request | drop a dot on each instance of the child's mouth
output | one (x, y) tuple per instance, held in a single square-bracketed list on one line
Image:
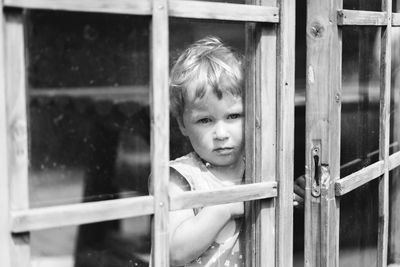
[(223, 150)]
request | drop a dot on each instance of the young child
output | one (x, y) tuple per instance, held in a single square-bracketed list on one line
[(206, 90)]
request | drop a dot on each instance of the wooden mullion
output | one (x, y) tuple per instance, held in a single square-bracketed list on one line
[(5, 252), (178, 8), (285, 132), (383, 222), (323, 113), (395, 19), (91, 212), (17, 121), (347, 17), (159, 97), (359, 178)]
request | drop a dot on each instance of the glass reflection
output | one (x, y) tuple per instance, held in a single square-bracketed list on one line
[(394, 217), (360, 99), (126, 243), (369, 5), (88, 106), (359, 226), (395, 93)]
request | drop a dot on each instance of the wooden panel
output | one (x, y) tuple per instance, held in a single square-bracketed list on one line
[(323, 109), (223, 11), (396, 19), (285, 132), (384, 120), (394, 159), (358, 17), (75, 214), (357, 179), (178, 8), (159, 97), (5, 255), (17, 121)]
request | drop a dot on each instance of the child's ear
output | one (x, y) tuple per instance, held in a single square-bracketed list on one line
[(181, 126)]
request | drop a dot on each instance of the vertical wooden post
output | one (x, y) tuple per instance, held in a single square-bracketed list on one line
[(17, 121), (323, 102), (159, 96), (383, 223), (260, 128), (5, 255), (285, 132)]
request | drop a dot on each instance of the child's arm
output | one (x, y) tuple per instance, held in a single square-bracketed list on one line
[(192, 235)]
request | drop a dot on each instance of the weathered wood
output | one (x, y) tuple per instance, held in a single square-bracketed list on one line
[(223, 11), (347, 17), (322, 130), (17, 123), (384, 120), (177, 8), (239, 193), (5, 252), (394, 159), (395, 19), (159, 98), (285, 132), (82, 213), (358, 178)]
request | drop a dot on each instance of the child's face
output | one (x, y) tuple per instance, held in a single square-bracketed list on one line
[(215, 127)]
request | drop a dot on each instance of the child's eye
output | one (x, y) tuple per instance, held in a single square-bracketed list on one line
[(204, 120), (234, 116)]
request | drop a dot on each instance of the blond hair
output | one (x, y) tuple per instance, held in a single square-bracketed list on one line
[(206, 65)]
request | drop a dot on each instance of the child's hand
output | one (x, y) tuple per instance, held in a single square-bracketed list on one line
[(299, 187)]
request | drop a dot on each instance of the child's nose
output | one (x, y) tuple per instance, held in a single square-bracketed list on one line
[(220, 131)]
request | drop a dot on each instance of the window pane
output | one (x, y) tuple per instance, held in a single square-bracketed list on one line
[(359, 226), (360, 98), (369, 5), (114, 243), (395, 93), (88, 79), (394, 217)]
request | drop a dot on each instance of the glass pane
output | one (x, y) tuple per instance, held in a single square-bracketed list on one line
[(88, 79), (395, 93), (360, 98), (359, 226), (394, 217), (114, 243), (369, 5)]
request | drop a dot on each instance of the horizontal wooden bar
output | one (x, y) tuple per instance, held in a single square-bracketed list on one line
[(223, 11), (177, 8), (347, 17), (195, 199), (74, 214), (394, 161), (91, 212), (396, 19), (358, 178)]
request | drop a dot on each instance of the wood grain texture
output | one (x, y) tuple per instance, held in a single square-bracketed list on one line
[(17, 124), (347, 17), (384, 129), (358, 178), (5, 252), (395, 19), (159, 97), (323, 113), (285, 132), (177, 8), (76, 214)]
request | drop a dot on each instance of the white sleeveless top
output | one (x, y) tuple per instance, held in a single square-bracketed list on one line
[(230, 251)]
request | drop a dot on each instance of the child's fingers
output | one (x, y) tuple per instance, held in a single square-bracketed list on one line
[(297, 200)]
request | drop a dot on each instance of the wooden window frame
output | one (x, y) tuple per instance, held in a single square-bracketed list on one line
[(271, 56), (324, 91)]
